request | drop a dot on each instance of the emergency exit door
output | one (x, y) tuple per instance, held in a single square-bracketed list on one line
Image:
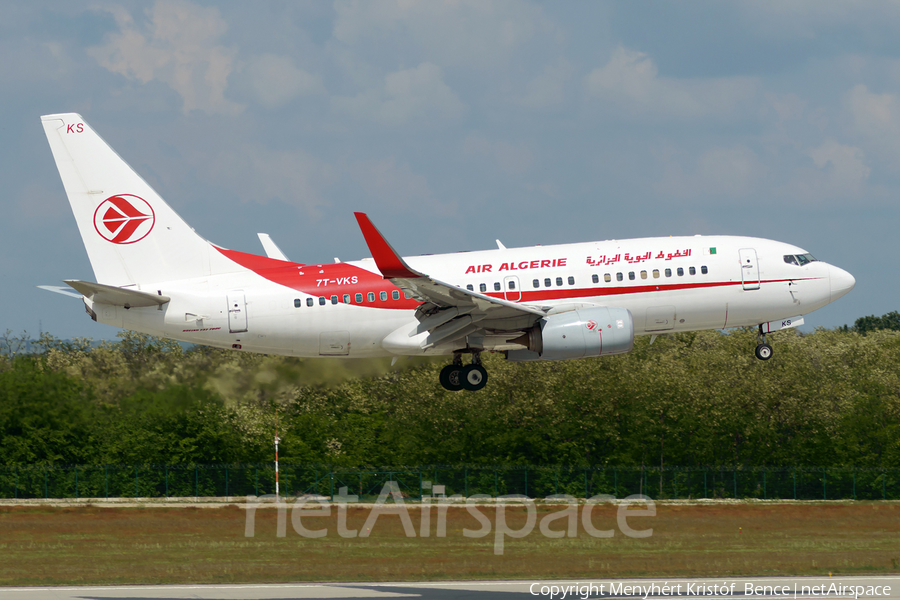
[(237, 311)]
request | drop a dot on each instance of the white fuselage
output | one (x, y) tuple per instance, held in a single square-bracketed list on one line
[(347, 309)]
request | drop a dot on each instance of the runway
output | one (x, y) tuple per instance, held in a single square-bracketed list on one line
[(762, 588)]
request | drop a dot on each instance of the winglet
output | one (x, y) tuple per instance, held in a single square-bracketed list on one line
[(272, 250), (389, 262)]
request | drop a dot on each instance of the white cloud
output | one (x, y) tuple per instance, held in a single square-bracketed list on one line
[(843, 172), (178, 46), (275, 80), (396, 186), (512, 159), (873, 114), (810, 19), (473, 33), (259, 174), (731, 172), (838, 173), (417, 94), (548, 87), (875, 121), (631, 81)]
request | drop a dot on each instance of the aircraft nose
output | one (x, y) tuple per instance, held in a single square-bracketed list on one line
[(841, 282)]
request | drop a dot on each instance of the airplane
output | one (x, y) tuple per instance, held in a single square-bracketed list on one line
[(155, 275)]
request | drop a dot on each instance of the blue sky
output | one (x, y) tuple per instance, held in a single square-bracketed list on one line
[(455, 123)]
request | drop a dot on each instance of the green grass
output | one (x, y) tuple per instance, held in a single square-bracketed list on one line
[(53, 546)]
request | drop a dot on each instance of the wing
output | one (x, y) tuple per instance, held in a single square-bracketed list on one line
[(447, 312)]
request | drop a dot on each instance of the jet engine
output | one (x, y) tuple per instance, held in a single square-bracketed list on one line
[(597, 331)]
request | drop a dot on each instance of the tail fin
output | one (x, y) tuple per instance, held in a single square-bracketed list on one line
[(131, 235)]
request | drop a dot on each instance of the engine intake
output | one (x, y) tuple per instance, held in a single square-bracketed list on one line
[(598, 331)]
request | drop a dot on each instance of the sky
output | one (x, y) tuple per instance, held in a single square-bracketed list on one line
[(457, 123)]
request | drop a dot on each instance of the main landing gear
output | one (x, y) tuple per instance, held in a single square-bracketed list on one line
[(763, 349), (456, 376)]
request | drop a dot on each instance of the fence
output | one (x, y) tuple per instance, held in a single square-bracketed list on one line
[(164, 481)]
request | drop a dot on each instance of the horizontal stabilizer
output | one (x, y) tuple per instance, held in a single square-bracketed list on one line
[(61, 289), (116, 296)]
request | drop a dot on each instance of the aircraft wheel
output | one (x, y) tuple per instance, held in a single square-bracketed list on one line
[(451, 378), (474, 377), (764, 352)]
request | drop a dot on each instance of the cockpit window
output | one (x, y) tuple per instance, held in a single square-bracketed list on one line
[(799, 259)]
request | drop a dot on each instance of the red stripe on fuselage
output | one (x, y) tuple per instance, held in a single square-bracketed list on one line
[(563, 294), (325, 280)]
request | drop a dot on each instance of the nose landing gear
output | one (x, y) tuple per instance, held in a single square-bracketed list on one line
[(456, 376), (763, 349)]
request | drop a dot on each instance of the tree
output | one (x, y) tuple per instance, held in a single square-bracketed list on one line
[(890, 321)]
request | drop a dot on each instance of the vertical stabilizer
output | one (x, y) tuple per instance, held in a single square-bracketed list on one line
[(131, 235)]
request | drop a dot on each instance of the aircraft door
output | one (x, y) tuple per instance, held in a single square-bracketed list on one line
[(334, 343), (660, 318), (749, 268), (511, 289), (237, 311), (794, 289)]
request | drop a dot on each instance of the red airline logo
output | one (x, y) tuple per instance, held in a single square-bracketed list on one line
[(124, 219)]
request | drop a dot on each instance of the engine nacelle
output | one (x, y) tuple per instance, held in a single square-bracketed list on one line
[(598, 331)]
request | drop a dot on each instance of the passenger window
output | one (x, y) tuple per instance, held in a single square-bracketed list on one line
[(571, 280), (497, 287), (346, 298), (704, 270), (536, 283), (547, 282), (309, 301), (619, 277), (643, 274), (559, 282), (668, 272), (607, 277), (595, 278), (680, 272), (482, 287), (470, 288), (655, 273), (383, 296), (395, 294), (359, 298), (692, 271), (321, 300), (298, 303), (334, 300), (630, 275), (511, 284), (371, 296)]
